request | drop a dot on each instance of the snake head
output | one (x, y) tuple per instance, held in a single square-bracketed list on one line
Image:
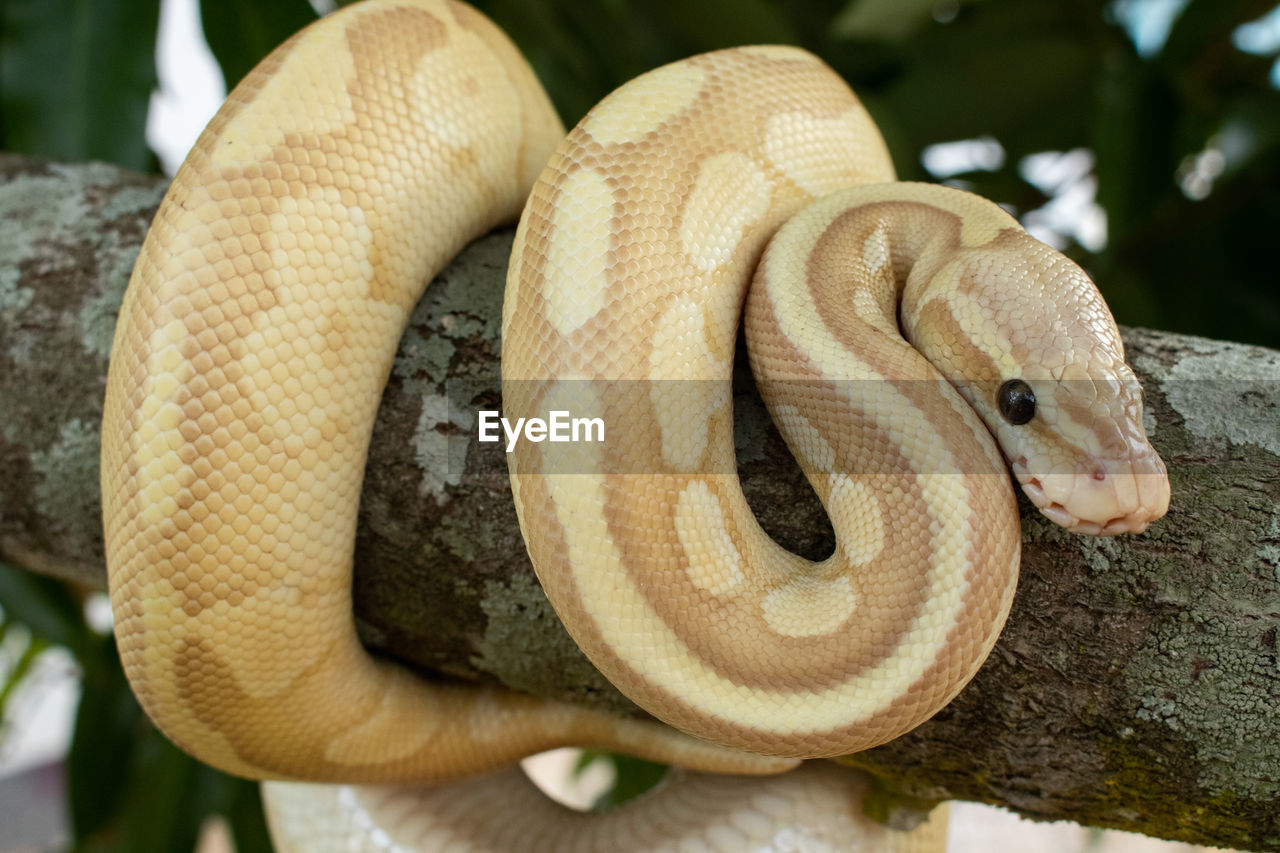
[(1082, 456), (1029, 342)]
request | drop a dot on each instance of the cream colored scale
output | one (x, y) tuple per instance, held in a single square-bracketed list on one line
[(262, 319)]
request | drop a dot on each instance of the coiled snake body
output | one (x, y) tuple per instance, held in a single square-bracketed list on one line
[(261, 322)]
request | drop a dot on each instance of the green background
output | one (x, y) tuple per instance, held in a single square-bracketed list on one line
[(1050, 75)]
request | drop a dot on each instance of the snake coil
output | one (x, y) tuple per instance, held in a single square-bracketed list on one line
[(260, 326)]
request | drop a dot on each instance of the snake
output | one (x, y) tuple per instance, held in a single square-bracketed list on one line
[(914, 345)]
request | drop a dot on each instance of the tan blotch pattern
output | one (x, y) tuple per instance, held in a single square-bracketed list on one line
[(260, 325), (651, 556), (253, 342), (658, 568)]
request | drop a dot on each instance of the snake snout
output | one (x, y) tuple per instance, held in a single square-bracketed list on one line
[(1100, 496)]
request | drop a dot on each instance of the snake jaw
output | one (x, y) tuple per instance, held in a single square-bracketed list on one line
[(1101, 497), (1085, 460)]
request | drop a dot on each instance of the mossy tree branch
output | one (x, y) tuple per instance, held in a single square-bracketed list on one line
[(1135, 686)]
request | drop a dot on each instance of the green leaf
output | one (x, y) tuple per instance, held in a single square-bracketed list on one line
[(19, 669), (108, 721), (160, 809), (76, 78), (45, 606), (244, 814), (131, 789), (1023, 73), (713, 24), (561, 49), (584, 50), (633, 776), (1206, 25), (241, 32), (1133, 134), (888, 20)]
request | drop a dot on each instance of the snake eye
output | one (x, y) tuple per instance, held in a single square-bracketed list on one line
[(1017, 402)]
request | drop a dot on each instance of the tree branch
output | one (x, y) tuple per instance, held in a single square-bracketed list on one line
[(1135, 686)]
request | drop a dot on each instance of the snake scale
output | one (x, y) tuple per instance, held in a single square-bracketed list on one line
[(261, 322)]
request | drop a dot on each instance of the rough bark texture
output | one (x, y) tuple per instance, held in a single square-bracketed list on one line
[(1135, 686)]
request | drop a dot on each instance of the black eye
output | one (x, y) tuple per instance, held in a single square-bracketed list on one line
[(1017, 402)]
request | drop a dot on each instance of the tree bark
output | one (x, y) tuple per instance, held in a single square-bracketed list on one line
[(1135, 685)]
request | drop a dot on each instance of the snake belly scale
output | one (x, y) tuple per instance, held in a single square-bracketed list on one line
[(263, 314)]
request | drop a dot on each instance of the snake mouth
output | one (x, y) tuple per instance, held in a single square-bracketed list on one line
[(1061, 516), (1118, 520)]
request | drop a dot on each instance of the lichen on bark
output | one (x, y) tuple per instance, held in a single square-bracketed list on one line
[(1135, 684)]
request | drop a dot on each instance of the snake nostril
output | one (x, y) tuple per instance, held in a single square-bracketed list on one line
[(1098, 474)]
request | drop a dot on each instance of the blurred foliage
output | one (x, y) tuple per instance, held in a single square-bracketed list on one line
[(128, 788), (632, 776), (1184, 137), (76, 77), (1057, 75), (1046, 76)]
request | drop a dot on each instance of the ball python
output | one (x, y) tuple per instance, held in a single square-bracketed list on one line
[(260, 325)]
